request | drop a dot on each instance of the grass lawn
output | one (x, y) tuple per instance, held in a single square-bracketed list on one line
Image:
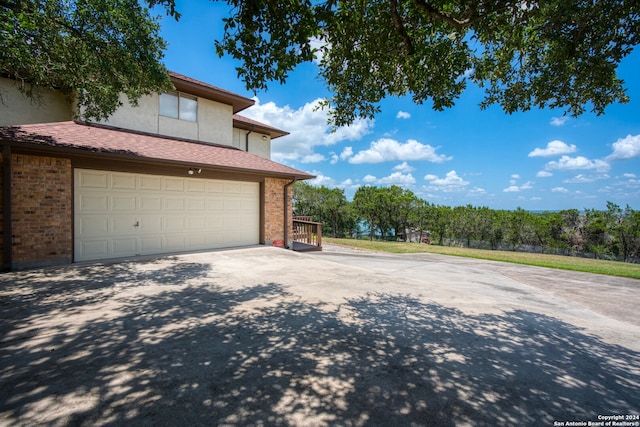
[(588, 265)]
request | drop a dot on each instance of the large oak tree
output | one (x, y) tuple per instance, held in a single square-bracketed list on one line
[(561, 54), (524, 53), (92, 50)]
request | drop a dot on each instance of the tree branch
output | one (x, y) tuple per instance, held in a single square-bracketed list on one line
[(440, 16), (397, 22)]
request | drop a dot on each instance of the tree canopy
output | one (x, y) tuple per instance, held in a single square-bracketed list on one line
[(394, 213), (561, 54), (92, 50), (525, 53)]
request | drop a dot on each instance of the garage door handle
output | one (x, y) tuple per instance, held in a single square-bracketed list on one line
[(137, 224)]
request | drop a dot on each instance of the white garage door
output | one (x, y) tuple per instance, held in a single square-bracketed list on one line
[(123, 214)]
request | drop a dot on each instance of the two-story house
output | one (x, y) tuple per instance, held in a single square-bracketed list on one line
[(182, 171)]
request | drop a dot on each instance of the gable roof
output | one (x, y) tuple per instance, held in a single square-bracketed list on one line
[(107, 140)]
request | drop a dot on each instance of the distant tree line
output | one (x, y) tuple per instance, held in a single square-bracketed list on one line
[(394, 213)]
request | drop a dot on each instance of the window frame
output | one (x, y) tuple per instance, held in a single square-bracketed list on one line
[(179, 114)]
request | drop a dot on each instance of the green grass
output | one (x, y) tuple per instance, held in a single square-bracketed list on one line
[(587, 265)]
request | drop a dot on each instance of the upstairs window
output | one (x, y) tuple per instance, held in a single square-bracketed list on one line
[(179, 106)]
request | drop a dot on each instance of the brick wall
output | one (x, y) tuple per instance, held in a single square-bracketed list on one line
[(274, 209), (42, 209)]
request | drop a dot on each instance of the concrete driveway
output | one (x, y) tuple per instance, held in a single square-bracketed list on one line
[(264, 336)]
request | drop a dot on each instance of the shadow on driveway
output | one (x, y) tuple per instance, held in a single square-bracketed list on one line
[(169, 344)]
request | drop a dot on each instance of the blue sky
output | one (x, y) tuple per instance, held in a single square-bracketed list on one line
[(536, 160)]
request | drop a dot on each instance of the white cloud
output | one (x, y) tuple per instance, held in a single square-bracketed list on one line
[(626, 148), (403, 115), (404, 167), (346, 153), (544, 174), (308, 127), (559, 190), (518, 188), (477, 191), (579, 162), (329, 182), (321, 180), (450, 183), (385, 150), (629, 175), (558, 121), (313, 158), (582, 178), (369, 179), (398, 178), (515, 176), (554, 148)]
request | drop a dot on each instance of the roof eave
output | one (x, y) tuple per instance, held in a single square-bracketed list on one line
[(237, 102), (272, 132), (80, 152)]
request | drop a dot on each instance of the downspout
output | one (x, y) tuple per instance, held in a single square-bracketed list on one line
[(246, 139), (286, 212), (7, 229)]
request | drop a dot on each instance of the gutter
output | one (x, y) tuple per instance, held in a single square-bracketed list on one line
[(286, 213)]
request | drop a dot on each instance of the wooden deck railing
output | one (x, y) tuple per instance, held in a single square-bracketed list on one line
[(307, 234)]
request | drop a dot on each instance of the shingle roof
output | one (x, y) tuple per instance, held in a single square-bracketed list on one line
[(246, 123), (102, 139)]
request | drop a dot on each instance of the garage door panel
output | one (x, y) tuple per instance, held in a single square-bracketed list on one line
[(150, 245), (125, 246), (92, 225), (149, 224), (151, 203), (150, 182), (174, 203), (126, 202), (94, 249), (215, 204), (196, 205), (172, 214), (174, 243), (233, 188), (93, 202), (196, 223), (196, 241), (121, 181), (173, 223), (214, 187), (123, 225), (174, 184), (92, 179), (233, 205), (196, 186)]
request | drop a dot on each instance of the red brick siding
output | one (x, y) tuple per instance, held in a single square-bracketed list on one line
[(274, 209), (42, 209)]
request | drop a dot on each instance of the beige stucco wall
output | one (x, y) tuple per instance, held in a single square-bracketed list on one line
[(257, 145), (260, 146), (142, 118), (215, 120), (17, 109)]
